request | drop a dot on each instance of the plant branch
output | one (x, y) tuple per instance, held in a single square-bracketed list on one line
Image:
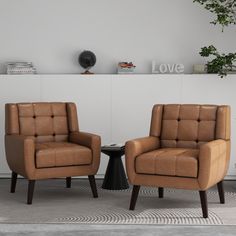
[(225, 11), (221, 64)]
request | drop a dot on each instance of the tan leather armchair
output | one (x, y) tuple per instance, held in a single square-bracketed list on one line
[(43, 141), (188, 148)]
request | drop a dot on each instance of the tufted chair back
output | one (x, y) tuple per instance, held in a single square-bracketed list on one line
[(189, 126), (45, 122)]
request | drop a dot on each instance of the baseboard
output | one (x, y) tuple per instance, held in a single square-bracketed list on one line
[(230, 177), (99, 176), (7, 176)]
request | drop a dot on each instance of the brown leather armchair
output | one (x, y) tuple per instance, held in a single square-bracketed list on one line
[(188, 148), (43, 141)]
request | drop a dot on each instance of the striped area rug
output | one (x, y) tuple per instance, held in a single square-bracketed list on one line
[(164, 215), (53, 203)]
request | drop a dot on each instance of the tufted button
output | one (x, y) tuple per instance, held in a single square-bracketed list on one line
[(199, 120), (197, 141), (34, 117), (35, 135), (178, 119), (53, 134), (52, 116), (177, 140)]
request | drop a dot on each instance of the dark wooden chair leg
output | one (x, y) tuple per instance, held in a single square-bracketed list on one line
[(93, 185), (13, 182), (30, 191), (161, 192), (134, 197), (221, 192), (203, 197), (68, 182)]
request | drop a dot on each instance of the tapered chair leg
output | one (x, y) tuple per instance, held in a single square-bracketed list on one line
[(134, 197), (68, 182), (93, 185), (31, 184), (161, 192), (13, 182), (220, 187), (203, 197)]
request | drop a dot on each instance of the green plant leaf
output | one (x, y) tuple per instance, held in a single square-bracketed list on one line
[(221, 63), (225, 11)]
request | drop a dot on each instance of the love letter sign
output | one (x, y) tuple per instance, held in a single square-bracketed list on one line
[(167, 68)]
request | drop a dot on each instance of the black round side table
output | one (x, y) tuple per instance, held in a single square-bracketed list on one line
[(115, 178)]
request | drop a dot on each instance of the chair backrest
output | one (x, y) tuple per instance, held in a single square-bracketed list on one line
[(189, 126), (45, 122)]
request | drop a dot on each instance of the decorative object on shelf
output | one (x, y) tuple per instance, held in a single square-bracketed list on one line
[(167, 68), (199, 69), (126, 68), (87, 60), (225, 11), (16, 68), (221, 64)]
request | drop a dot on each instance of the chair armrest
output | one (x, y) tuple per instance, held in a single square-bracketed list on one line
[(213, 162), (91, 141), (20, 153), (136, 147)]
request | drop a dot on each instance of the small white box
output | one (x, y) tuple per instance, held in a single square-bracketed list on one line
[(199, 69)]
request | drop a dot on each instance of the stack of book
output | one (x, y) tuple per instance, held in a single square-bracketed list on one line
[(15, 68), (126, 68)]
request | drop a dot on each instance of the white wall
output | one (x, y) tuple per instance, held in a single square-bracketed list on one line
[(51, 33)]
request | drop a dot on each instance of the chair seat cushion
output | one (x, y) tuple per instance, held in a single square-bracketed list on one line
[(169, 161), (58, 154)]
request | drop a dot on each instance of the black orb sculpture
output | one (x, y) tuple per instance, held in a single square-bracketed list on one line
[(87, 60)]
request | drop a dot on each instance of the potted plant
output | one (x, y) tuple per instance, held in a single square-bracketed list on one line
[(221, 64)]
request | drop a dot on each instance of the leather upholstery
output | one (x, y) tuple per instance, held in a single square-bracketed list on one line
[(188, 147), (54, 154), (188, 125), (213, 162), (11, 119), (91, 141), (44, 121), (38, 143), (169, 161)]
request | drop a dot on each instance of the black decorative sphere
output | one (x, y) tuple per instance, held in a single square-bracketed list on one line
[(87, 59)]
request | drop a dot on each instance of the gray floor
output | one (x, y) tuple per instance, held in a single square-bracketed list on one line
[(18, 199), (114, 230)]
